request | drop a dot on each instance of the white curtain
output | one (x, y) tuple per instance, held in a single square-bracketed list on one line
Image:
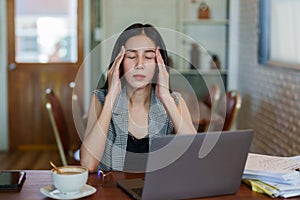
[(285, 31)]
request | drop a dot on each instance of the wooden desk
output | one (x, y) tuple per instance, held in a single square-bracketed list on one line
[(108, 191)]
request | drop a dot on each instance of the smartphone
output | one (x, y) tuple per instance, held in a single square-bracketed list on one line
[(11, 180)]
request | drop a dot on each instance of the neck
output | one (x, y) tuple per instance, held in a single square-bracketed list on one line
[(140, 96)]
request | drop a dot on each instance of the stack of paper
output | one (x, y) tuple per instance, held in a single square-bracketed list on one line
[(273, 175)]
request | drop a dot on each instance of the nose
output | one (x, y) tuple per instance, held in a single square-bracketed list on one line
[(140, 63)]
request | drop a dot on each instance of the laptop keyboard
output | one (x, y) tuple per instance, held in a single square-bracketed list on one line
[(139, 191)]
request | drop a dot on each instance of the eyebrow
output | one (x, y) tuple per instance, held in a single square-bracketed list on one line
[(146, 51)]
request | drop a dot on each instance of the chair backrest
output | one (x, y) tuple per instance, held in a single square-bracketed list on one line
[(212, 96), (233, 105), (58, 122), (80, 118)]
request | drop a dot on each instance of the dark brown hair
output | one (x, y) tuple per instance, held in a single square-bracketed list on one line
[(134, 30)]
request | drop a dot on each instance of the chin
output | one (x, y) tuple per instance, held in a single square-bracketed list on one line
[(139, 85)]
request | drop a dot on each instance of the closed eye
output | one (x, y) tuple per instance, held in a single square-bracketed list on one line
[(131, 56), (149, 56)]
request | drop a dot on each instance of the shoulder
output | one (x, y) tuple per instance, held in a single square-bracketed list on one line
[(100, 93), (176, 96)]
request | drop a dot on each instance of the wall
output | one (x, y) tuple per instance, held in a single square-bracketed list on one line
[(271, 95), (3, 80), (232, 71), (118, 14)]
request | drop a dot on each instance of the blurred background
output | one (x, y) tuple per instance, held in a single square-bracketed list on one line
[(55, 44)]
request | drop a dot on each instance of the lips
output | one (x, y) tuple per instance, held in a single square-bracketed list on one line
[(139, 76)]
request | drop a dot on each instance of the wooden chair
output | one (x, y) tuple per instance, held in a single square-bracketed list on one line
[(232, 102), (60, 128), (212, 96), (210, 103)]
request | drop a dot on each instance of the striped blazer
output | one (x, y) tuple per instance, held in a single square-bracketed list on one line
[(159, 124)]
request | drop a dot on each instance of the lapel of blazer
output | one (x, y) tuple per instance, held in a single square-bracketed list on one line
[(157, 117), (120, 120)]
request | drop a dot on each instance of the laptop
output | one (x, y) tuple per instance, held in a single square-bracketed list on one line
[(192, 166)]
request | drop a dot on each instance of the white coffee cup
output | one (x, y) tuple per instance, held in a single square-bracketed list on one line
[(69, 179)]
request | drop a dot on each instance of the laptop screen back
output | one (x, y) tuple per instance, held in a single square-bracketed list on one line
[(177, 170)]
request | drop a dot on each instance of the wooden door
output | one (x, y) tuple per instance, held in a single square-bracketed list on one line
[(33, 28)]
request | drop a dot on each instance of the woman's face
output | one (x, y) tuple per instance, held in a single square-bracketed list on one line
[(139, 61)]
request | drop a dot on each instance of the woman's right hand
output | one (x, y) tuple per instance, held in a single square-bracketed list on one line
[(113, 75)]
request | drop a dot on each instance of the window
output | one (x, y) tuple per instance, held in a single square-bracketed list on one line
[(279, 33), (47, 31)]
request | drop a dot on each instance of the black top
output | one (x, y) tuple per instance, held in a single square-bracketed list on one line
[(136, 155), (137, 145)]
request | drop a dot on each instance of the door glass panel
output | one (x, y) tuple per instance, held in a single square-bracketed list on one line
[(46, 31)]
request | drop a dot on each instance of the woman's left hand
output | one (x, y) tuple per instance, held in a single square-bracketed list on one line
[(162, 85)]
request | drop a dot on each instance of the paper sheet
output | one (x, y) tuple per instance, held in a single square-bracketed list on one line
[(272, 164)]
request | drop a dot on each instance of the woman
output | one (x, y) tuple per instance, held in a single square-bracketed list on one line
[(135, 104)]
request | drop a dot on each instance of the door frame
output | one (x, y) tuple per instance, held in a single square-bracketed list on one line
[(3, 80)]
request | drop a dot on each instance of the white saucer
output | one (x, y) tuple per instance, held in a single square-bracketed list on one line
[(52, 192)]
